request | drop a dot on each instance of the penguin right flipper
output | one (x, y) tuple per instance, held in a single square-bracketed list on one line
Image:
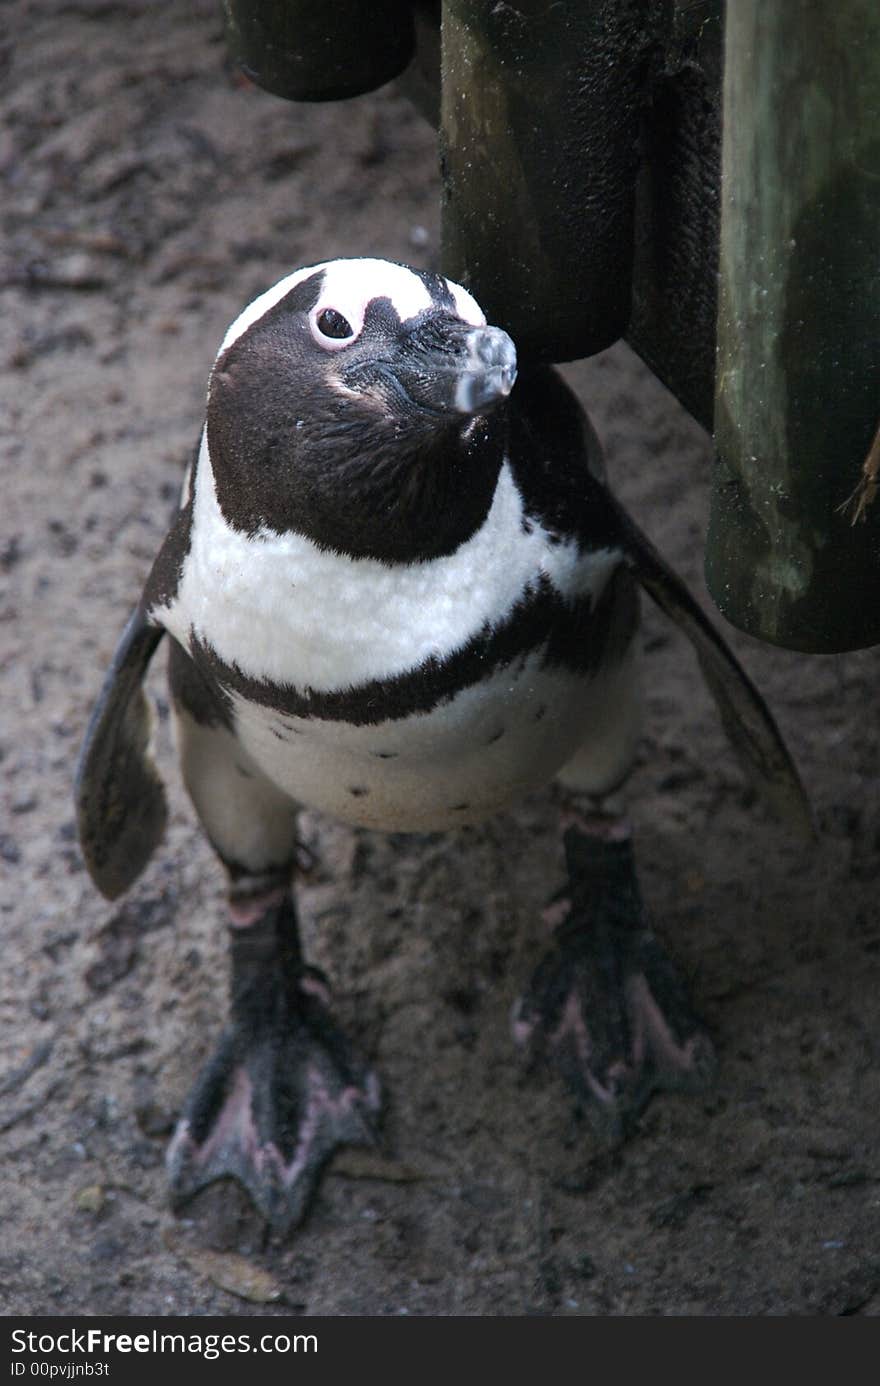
[(120, 802)]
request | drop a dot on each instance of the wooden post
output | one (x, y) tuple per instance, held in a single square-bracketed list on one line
[(798, 371), (320, 50), (539, 149), (675, 275)]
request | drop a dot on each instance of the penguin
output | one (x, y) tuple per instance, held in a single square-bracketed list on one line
[(399, 591)]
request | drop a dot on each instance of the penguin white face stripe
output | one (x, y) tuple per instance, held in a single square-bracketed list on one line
[(465, 306), (349, 287)]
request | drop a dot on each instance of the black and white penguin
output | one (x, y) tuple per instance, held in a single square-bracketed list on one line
[(398, 591)]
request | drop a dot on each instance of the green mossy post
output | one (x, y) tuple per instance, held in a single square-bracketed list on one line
[(798, 370), (540, 113), (320, 50)]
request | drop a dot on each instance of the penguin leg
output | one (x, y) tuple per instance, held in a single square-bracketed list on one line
[(283, 1088), (606, 1003)]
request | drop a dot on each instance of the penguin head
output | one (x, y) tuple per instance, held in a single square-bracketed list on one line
[(353, 402)]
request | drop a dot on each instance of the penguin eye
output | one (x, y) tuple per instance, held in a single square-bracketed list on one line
[(333, 324)]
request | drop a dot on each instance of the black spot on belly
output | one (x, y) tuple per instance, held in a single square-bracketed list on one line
[(458, 808), (282, 735), (357, 791), (539, 712), (496, 736), (384, 755)]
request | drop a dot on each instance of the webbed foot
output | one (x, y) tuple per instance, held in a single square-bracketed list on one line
[(283, 1088), (606, 1003)]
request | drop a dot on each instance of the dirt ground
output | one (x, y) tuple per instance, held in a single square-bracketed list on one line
[(147, 195)]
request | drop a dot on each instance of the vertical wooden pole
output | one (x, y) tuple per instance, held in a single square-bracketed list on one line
[(798, 370), (320, 50), (539, 149), (675, 275)]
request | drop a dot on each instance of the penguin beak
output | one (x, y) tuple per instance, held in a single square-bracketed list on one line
[(488, 372), (446, 366)]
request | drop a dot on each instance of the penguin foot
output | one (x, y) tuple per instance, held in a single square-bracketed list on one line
[(606, 1004), (282, 1090), (269, 1109)]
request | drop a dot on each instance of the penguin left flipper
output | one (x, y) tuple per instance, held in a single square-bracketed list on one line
[(570, 471), (120, 801), (748, 722)]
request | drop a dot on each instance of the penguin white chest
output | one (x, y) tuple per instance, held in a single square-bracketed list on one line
[(404, 697)]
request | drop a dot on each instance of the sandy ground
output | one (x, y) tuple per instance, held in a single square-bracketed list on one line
[(147, 194)]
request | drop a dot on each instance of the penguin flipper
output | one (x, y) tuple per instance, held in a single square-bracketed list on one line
[(120, 802), (747, 720), (558, 453)]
